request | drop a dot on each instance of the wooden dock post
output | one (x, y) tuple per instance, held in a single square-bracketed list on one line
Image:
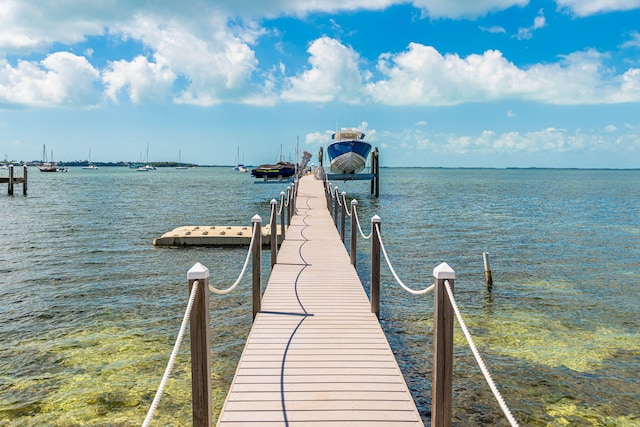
[(256, 261), (375, 265), (344, 214), (282, 227), (24, 177), (10, 189), (441, 388), (354, 232), (198, 275), (335, 194), (274, 234), (375, 166), (487, 271)]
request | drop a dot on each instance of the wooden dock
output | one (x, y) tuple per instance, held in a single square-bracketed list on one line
[(316, 354)]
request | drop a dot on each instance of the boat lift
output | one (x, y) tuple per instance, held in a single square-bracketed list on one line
[(373, 176)]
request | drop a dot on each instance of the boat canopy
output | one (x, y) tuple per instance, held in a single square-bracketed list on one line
[(347, 134)]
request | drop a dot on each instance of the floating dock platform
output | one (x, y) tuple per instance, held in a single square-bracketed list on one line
[(230, 235)]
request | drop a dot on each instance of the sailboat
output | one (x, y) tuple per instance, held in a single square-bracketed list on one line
[(180, 165), (147, 167), (240, 167), (90, 166), (48, 166)]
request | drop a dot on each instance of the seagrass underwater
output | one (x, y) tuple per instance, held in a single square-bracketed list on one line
[(91, 308)]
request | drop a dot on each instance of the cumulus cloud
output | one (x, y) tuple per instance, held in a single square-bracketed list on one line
[(592, 7), (422, 76), (62, 78), (333, 75)]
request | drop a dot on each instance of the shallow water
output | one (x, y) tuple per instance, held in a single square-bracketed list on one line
[(91, 309)]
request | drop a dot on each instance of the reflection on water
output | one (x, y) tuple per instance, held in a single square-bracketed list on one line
[(91, 309)]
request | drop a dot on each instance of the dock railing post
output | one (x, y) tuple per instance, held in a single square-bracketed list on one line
[(354, 233), (198, 275), (335, 196), (10, 188), (274, 236), (282, 227), (256, 263), (487, 271), (289, 204), (344, 214), (441, 388), (375, 265)]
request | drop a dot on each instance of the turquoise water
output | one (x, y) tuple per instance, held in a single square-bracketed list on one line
[(91, 309)]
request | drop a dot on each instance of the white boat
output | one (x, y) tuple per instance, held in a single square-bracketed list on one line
[(90, 166), (240, 167), (348, 153), (180, 165)]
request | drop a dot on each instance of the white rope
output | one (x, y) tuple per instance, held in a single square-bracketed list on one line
[(344, 202), (406, 288), (476, 354), (244, 268), (355, 211), (338, 199), (172, 358), (281, 202)]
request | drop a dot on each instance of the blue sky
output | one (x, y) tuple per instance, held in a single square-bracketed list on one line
[(451, 83)]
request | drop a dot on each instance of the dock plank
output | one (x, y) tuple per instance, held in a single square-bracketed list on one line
[(316, 355)]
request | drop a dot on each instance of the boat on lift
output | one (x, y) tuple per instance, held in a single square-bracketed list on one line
[(348, 152)]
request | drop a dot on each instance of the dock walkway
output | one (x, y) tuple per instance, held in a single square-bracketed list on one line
[(316, 355)]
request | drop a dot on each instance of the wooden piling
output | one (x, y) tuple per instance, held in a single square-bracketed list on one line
[(354, 231), (24, 177), (274, 231), (487, 271), (256, 263), (10, 189), (198, 275), (375, 265), (441, 388), (282, 214), (344, 214)]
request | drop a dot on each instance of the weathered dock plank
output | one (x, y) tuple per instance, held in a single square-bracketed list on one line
[(316, 355)]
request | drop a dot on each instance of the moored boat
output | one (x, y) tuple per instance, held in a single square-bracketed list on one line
[(281, 169), (348, 153)]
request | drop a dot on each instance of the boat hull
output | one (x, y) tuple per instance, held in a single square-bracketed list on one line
[(348, 157)]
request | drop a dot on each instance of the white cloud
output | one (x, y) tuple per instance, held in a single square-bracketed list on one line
[(62, 78), (591, 7), (538, 22), (422, 76), (333, 75), (465, 8), (142, 80), (633, 42)]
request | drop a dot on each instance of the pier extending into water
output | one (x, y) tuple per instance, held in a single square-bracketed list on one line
[(11, 180), (316, 353)]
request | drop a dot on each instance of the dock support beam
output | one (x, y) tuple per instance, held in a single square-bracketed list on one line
[(256, 263), (487, 271), (10, 190), (442, 390), (375, 265), (198, 275)]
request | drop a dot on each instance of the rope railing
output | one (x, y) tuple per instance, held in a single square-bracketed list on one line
[(478, 357), (355, 212), (172, 358), (244, 269), (393, 271)]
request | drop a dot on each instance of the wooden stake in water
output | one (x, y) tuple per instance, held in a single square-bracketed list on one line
[(487, 271)]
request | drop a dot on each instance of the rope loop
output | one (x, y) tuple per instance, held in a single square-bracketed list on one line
[(174, 354), (344, 203), (476, 354), (281, 203), (355, 212), (338, 199), (244, 268), (393, 271)]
